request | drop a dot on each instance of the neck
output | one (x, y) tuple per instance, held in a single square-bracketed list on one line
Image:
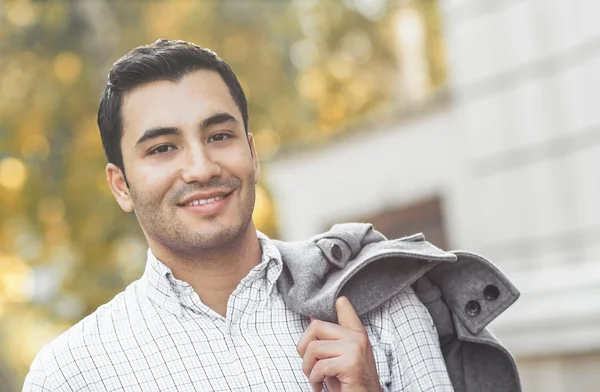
[(215, 274)]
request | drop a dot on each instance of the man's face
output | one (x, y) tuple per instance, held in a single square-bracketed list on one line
[(190, 167)]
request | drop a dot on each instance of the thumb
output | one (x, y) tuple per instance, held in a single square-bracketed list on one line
[(347, 316)]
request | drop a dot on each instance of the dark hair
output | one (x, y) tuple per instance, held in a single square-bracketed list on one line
[(161, 60)]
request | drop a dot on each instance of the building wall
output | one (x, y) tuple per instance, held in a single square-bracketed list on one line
[(524, 79), (515, 157), (361, 174)]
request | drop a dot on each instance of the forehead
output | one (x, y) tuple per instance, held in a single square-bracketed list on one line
[(177, 104)]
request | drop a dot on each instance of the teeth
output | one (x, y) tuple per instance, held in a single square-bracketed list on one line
[(204, 201)]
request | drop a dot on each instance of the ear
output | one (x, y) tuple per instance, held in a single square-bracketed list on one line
[(118, 186), (254, 158)]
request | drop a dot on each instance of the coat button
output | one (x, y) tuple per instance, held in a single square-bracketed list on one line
[(473, 308), (491, 292), (336, 251)]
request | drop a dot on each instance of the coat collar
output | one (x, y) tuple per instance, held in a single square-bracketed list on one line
[(358, 262)]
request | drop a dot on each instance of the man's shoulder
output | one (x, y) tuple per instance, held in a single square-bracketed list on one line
[(98, 334), (403, 309)]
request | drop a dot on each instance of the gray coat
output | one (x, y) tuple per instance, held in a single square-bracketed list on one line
[(463, 292)]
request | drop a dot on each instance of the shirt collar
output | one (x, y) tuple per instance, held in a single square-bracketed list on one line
[(271, 257), (165, 291)]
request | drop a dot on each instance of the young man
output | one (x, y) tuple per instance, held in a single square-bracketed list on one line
[(207, 313)]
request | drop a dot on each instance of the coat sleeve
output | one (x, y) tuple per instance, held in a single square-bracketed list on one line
[(414, 355)]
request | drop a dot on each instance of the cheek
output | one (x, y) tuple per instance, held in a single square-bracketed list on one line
[(242, 163), (153, 181)]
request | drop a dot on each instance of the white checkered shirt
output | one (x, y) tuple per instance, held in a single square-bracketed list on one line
[(157, 335)]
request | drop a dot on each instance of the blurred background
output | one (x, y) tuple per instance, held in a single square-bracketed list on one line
[(473, 121)]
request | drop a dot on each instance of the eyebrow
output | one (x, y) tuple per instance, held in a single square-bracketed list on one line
[(215, 119), (153, 133)]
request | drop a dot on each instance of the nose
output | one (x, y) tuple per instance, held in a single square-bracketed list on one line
[(199, 166)]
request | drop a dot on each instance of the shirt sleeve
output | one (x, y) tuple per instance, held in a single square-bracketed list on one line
[(415, 358)]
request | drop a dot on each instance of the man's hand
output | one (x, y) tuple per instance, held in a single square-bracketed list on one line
[(341, 355)]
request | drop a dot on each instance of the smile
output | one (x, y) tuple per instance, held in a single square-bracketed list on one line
[(198, 202), (206, 204)]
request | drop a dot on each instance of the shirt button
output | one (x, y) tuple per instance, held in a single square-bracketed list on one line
[(473, 308), (491, 292), (336, 251)]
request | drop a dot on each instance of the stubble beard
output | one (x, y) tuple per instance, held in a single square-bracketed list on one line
[(162, 225)]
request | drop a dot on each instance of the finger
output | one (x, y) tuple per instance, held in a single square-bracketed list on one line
[(323, 368), (320, 330), (317, 386), (333, 384), (320, 349), (347, 316)]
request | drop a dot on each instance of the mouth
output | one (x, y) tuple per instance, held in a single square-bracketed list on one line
[(202, 198), (198, 202), (206, 204)]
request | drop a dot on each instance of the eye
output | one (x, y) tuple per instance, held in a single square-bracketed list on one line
[(161, 149), (219, 137)]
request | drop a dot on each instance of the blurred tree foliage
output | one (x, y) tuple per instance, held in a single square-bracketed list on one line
[(310, 70)]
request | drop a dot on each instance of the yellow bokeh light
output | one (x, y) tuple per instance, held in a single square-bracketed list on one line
[(267, 143), (13, 278), (33, 123), (55, 15), (245, 87), (13, 286), (67, 67), (312, 85), (264, 211), (358, 92), (164, 18), (13, 173), (13, 84), (335, 112), (340, 67), (51, 210), (58, 233), (102, 184), (22, 13), (88, 141), (35, 145), (26, 332), (235, 48)]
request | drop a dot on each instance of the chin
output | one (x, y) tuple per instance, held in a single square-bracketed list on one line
[(219, 235)]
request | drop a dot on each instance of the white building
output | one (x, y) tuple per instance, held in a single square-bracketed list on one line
[(508, 166)]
